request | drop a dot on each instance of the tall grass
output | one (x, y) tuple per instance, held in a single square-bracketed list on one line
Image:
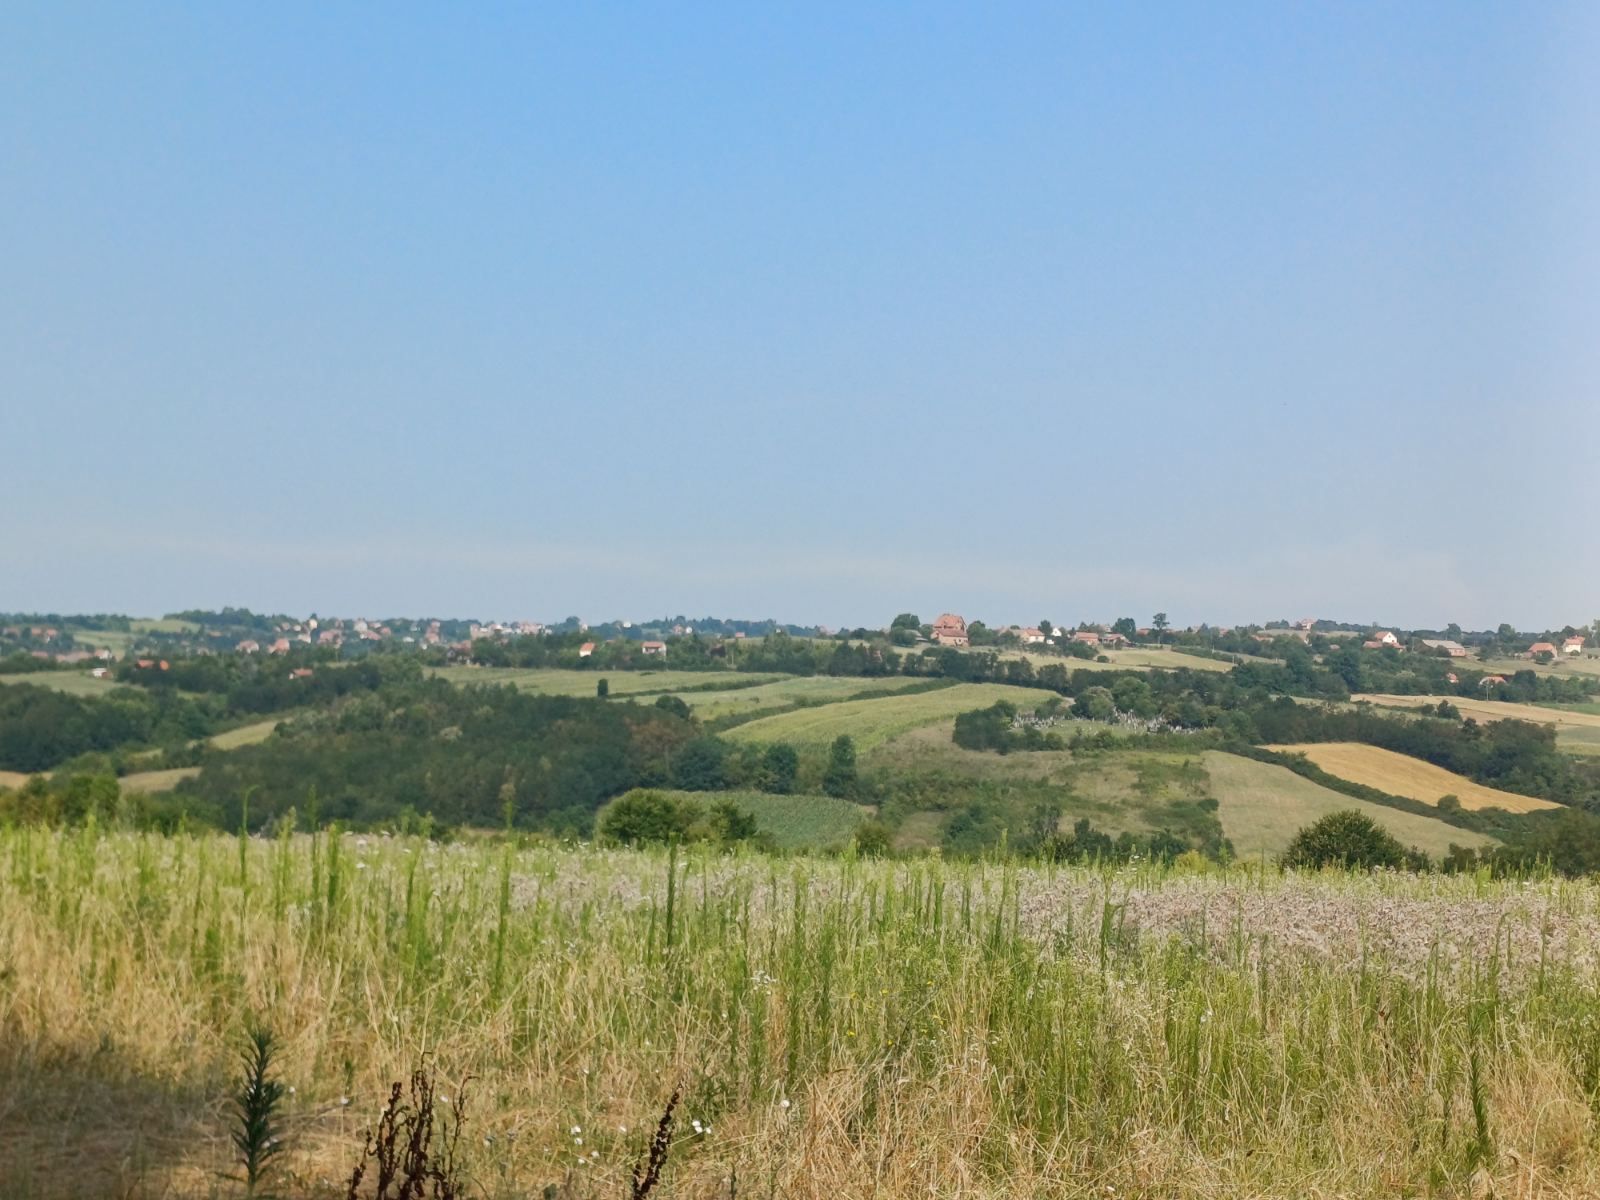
[(851, 1027)]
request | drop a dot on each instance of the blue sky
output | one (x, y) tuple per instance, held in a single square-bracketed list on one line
[(812, 312)]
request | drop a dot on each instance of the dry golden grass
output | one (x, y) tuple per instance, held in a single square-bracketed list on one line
[(921, 1030), (157, 781), (1262, 806), (12, 779), (1402, 775), (1494, 710), (248, 735)]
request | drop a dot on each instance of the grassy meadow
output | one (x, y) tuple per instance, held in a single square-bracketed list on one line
[(1262, 806), (1402, 775), (555, 681), (873, 721), (838, 1028), (794, 822), (1562, 716), (74, 683)]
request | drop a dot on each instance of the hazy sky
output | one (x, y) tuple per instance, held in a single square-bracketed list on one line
[(816, 312)]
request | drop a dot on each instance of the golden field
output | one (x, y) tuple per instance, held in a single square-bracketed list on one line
[(839, 1028), (1401, 775)]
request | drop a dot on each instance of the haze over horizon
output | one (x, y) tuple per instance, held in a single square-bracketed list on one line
[(1016, 312)]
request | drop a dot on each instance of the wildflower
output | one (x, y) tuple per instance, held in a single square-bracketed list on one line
[(575, 1130), (577, 1141), (784, 1103), (623, 1130), (344, 1101)]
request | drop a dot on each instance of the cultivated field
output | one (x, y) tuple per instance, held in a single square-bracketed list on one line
[(1583, 664), (838, 1028), (552, 681), (1262, 807), (871, 722), (157, 781), (249, 735), (1570, 717), (1136, 659), (1402, 775), (787, 692), (800, 822), (74, 683)]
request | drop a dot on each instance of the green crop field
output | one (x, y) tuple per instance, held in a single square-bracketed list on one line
[(553, 681), (796, 690), (157, 781), (871, 722), (792, 822), (1262, 806), (834, 1028), (74, 683), (1134, 659), (248, 735)]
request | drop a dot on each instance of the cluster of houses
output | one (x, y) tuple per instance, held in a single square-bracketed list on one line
[(1386, 639), (951, 630), (653, 649)]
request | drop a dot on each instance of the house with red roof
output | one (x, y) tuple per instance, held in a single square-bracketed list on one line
[(950, 630)]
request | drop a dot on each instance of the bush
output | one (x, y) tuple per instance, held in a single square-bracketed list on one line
[(643, 816), (1345, 839)]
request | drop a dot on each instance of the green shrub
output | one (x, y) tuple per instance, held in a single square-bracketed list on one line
[(1346, 839)]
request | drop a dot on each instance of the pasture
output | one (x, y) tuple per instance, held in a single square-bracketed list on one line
[(73, 683), (797, 822), (1262, 806), (248, 735), (553, 681), (1136, 658), (1402, 775), (872, 722), (790, 692), (1562, 716), (157, 781), (838, 1028)]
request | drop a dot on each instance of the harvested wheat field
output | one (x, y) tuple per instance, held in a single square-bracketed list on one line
[(1402, 775), (1262, 806), (837, 1027), (1495, 710)]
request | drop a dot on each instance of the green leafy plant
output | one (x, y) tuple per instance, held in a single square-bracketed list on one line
[(256, 1133)]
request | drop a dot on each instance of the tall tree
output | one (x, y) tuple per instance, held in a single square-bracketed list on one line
[(840, 779), (1160, 624)]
